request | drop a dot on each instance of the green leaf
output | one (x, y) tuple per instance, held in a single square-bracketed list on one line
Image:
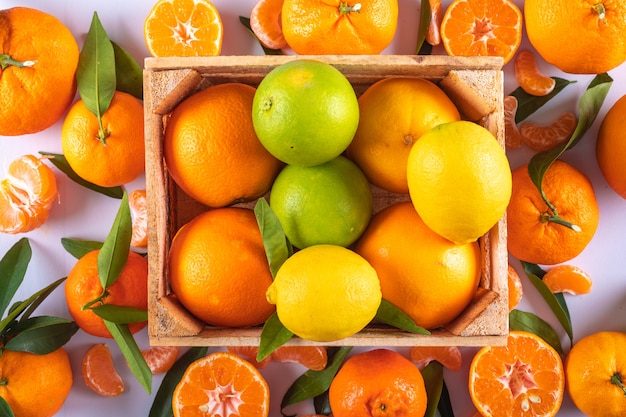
[(424, 22), (79, 248), (321, 403), (393, 316), (162, 404), (61, 163), (273, 335), (5, 408), (556, 302), (128, 73), (120, 314), (314, 383), (137, 364), (245, 21), (527, 104), (588, 108), (41, 335), (95, 74), (522, 320), (433, 380), (114, 252), (13, 266), (445, 406), (277, 246), (41, 296)]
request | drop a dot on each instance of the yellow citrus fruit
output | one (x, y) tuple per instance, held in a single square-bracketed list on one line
[(394, 113), (459, 180), (325, 293), (611, 147), (305, 112), (329, 203), (426, 276)]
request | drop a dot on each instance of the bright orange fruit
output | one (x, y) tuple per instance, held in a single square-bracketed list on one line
[(482, 28), (139, 213), (249, 353), (513, 137), (529, 77), (265, 22), (99, 373), (448, 356), (183, 28), (568, 278), (611, 147), (433, 36), (516, 291), (313, 357), (543, 137), (221, 384), (160, 358), (26, 195)]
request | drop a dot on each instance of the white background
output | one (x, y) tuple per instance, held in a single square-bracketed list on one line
[(87, 215)]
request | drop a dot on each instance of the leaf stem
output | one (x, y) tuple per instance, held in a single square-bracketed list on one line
[(6, 61), (103, 134), (616, 379), (555, 218), (345, 8), (600, 10), (96, 300)]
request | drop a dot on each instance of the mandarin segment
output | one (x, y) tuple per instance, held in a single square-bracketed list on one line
[(448, 356), (516, 291), (312, 357), (513, 137), (543, 137), (265, 22), (139, 215), (433, 36), (529, 77), (249, 353), (99, 373), (160, 358), (568, 278)]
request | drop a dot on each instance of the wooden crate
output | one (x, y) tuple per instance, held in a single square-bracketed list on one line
[(474, 84)]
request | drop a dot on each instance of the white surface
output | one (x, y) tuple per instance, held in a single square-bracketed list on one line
[(87, 215)]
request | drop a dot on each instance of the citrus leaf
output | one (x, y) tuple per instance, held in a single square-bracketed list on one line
[(393, 316), (424, 22), (556, 302), (120, 314), (79, 248), (588, 108), (128, 73), (314, 383), (114, 252), (277, 247), (162, 404), (5, 408), (95, 74), (41, 296), (13, 266), (245, 21), (523, 320), (59, 161), (527, 104), (41, 335), (273, 336), (321, 403), (136, 362), (433, 381), (445, 406)]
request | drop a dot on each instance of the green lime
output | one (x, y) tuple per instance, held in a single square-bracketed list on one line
[(329, 203), (305, 112)]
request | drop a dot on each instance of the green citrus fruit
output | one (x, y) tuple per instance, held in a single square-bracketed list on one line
[(305, 112), (459, 180), (325, 293), (329, 203)]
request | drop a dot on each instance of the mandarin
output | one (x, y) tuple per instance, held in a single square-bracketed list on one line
[(35, 385), (393, 114), (160, 358), (513, 137), (584, 37), (377, 383), (543, 137), (568, 278), (38, 61), (529, 77), (448, 356), (611, 147), (425, 275), (212, 151), (516, 290), (534, 234), (312, 357), (338, 27), (265, 22), (83, 286), (139, 214), (99, 373), (114, 160), (218, 268)]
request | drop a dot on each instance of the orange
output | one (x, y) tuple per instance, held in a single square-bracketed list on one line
[(428, 277), (393, 114), (525, 377), (38, 61), (183, 28), (516, 291), (313, 27), (568, 278), (99, 373), (482, 28), (35, 385), (611, 147), (26, 195), (160, 358), (115, 160), (529, 77), (533, 234), (265, 22), (543, 137), (513, 137), (139, 214), (210, 136), (221, 384), (595, 368), (448, 356), (376, 383), (312, 357), (217, 265), (564, 33), (83, 286)]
